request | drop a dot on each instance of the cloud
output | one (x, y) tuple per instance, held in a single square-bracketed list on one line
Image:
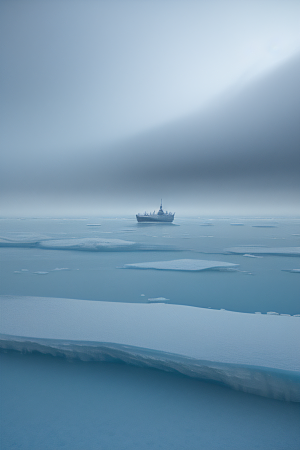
[(98, 108)]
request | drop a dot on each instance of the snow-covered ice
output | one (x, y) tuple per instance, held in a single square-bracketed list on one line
[(83, 244), (182, 264), (158, 299), (291, 270), (87, 244), (21, 239), (279, 251), (255, 353), (265, 226)]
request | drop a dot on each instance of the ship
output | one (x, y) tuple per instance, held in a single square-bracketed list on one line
[(160, 216)]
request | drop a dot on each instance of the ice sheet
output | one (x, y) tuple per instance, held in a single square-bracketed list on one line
[(256, 353), (182, 264), (279, 251)]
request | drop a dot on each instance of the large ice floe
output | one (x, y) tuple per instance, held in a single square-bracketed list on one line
[(81, 244), (183, 264), (254, 353), (278, 251)]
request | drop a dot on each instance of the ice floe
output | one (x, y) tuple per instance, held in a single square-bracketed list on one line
[(248, 255), (265, 226), (278, 251), (82, 244), (158, 300), (255, 353), (291, 270), (21, 240), (89, 244), (182, 264)]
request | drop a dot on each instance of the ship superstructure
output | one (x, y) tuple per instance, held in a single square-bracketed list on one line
[(160, 216)]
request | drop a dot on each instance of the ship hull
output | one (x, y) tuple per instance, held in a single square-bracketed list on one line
[(155, 218)]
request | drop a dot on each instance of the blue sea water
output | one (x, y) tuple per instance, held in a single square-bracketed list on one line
[(50, 403)]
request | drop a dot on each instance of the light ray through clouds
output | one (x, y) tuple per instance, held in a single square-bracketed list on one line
[(98, 98)]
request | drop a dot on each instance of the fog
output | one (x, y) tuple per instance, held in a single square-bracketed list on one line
[(107, 107)]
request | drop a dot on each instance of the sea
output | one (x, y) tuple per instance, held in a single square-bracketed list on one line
[(49, 402)]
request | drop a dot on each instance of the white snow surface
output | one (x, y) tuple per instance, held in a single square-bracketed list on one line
[(158, 299), (204, 334), (281, 251), (86, 243), (291, 270), (181, 264)]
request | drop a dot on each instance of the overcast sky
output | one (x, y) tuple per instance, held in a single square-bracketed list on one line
[(95, 90)]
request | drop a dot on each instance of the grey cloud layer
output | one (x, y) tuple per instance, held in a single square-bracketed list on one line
[(78, 79), (251, 138)]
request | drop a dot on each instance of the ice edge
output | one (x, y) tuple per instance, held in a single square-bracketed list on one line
[(277, 384)]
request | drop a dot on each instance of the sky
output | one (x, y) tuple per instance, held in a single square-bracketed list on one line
[(108, 106)]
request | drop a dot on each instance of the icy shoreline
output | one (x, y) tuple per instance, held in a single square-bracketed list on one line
[(277, 384), (254, 353)]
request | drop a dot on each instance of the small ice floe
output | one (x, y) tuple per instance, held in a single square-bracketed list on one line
[(60, 268), (296, 315), (248, 255), (183, 265), (257, 312), (40, 273), (24, 270), (158, 300), (285, 315), (142, 295), (206, 224), (93, 224), (274, 251), (88, 244), (21, 239), (291, 270), (272, 313), (265, 226), (100, 245)]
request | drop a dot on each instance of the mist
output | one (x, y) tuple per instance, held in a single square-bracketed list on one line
[(108, 107)]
